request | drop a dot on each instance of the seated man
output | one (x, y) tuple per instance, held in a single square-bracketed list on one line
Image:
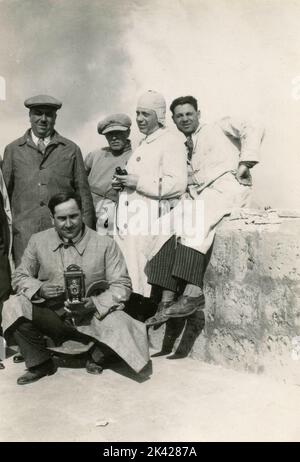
[(38, 308), (101, 166), (5, 247), (219, 159)]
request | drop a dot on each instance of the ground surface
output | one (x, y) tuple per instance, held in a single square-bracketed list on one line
[(184, 400)]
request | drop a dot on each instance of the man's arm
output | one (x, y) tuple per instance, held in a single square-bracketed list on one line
[(5, 199), (249, 135), (24, 278), (7, 170), (118, 279), (88, 163), (82, 188)]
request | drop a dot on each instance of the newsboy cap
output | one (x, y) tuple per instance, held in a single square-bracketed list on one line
[(42, 100), (114, 122)]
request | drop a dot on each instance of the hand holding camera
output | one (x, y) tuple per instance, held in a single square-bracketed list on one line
[(116, 183), (51, 290), (122, 179)]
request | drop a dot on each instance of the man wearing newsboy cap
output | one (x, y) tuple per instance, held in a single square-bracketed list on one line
[(101, 165), (38, 165)]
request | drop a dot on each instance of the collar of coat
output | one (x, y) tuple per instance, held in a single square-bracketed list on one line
[(55, 139), (80, 245), (153, 136)]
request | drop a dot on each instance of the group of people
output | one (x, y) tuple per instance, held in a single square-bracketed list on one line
[(135, 222)]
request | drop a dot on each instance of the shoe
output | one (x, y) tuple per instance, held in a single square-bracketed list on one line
[(159, 317), (177, 356), (185, 306), (93, 368), (18, 358), (36, 373), (2, 365)]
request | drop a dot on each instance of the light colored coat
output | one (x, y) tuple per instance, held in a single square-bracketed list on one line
[(160, 164), (7, 210), (45, 259), (218, 150), (100, 166)]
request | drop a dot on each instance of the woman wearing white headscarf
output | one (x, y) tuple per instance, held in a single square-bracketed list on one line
[(157, 175)]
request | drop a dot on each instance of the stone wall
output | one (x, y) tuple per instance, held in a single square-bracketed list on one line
[(252, 312)]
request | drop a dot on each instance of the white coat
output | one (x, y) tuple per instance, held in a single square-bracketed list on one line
[(215, 190), (160, 164)]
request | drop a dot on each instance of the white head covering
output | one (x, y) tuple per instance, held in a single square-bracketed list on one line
[(156, 102)]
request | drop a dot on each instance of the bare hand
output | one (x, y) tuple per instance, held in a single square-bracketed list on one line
[(243, 175), (116, 185), (191, 178), (50, 290), (129, 181), (87, 303)]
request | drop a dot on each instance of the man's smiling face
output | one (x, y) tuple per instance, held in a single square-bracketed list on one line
[(186, 118), (42, 119)]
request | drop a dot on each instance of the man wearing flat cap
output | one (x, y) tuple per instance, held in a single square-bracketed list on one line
[(101, 165), (38, 165)]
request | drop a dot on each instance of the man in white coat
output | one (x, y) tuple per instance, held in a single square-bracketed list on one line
[(157, 176), (219, 163)]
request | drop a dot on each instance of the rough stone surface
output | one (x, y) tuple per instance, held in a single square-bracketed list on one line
[(252, 312)]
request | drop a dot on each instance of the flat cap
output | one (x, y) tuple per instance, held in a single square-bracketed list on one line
[(114, 122), (42, 100)]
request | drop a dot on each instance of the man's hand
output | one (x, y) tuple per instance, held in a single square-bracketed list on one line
[(191, 179), (243, 175), (87, 303), (116, 185), (130, 181), (50, 290)]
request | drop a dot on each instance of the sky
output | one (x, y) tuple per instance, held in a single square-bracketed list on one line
[(237, 57)]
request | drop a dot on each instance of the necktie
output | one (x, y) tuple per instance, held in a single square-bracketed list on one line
[(41, 146), (190, 146), (68, 244)]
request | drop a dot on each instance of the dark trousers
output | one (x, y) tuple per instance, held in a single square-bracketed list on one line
[(175, 264), (5, 287), (30, 335)]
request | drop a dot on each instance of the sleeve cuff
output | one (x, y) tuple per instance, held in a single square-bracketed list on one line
[(31, 291)]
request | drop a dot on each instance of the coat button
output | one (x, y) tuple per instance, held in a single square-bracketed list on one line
[(126, 203), (138, 159), (42, 203)]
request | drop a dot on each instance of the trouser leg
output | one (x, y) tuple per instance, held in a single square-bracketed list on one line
[(159, 268), (2, 342), (189, 265), (32, 344), (29, 335), (173, 263), (50, 324)]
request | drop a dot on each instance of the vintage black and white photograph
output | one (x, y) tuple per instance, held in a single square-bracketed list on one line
[(149, 222)]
